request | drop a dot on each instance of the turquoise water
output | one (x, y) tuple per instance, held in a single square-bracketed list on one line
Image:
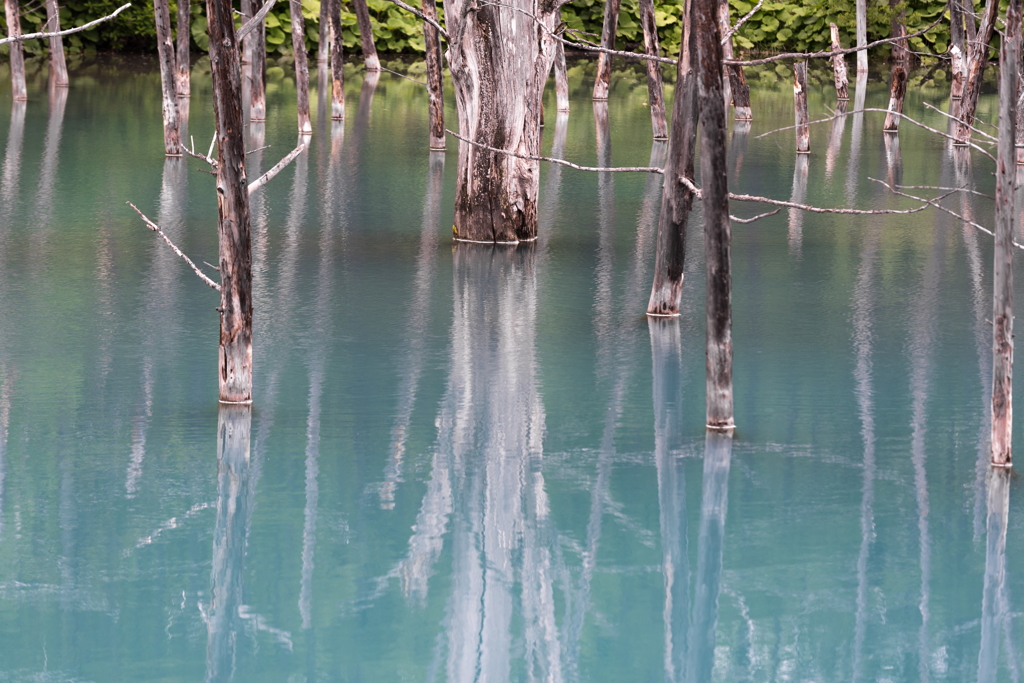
[(487, 464)]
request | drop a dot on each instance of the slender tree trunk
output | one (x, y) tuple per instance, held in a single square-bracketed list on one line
[(603, 82), (184, 60), (366, 35), (740, 93), (958, 71), (301, 67), (58, 67), (676, 198), (655, 91), (1002, 274), (435, 77), (977, 57), (258, 69), (862, 37), (323, 52), (717, 229), (337, 63), (803, 120), (900, 55), (165, 48), (956, 48), (561, 78), (723, 27), (1020, 123), (839, 67), (233, 226), (13, 14), (969, 22), (896, 94)]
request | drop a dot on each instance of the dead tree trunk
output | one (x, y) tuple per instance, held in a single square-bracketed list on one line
[(896, 94), (1002, 273), (803, 120), (233, 226), (247, 13), (735, 84), (977, 56), (561, 78), (956, 48), (722, 14), (862, 37), (258, 69), (900, 53), (1020, 121), (323, 53), (839, 67), (366, 35), (184, 61), (165, 48), (676, 198), (603, 82), (717, 229), (58, 66), (337, 63), (301, 67), (498, 94), (13, 14), (655, 91), (958, 69), (435, 77)]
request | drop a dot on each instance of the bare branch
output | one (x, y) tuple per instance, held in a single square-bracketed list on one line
[(424, 17), (200, 156), (249, 26), (955, 189), (740, 23), (278, 167), (408, 78), (950, 116), (811, 123), (156, 228), (734, 219), (258, 149), (83, 27)]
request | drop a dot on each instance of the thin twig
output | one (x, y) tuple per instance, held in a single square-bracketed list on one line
[(928, 128), (201, 156), (212, 266), (278, 167), (258, 149), (251, 25), (730, 32), (734, 219), (424, 17), (811, 123), (408, 78), (936, 187), (54, 34), (156, 228), (950, 116)]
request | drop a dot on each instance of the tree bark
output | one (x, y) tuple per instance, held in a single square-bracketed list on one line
[(165, 48), (896, 94), (862, 37), (337, 63), (803, 120), (561, 79), (740, 93), (499, 60), (900, 54), (839, 67), (184, 61), (655, 91), (977, 57), (604, 60), (958, 70), (366, 35), (58, 66), (323, 54), (717, 229), (301, 67), (722, 14), (1020, 121), (1002, 273), (676, 198), (956, 48), (233, 225), (435, 77), (13, 14), (258, 69)]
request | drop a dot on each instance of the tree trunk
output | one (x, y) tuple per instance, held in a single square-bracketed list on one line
[(676, 198), (862, 37), (1020, 122), (803, 119), (323, 53), (58, 67), (184, 60), (13, 14), (366, 35), (896, 94), (900, 54), (337, 63), (1002, 272), (498, 91), (655, 91), (301, 67), (958, 71), (977, 57), (717, 230), (435, 77), (956, 47), (839, 67), (604, 60), (165, 48), (258, 69), (561, 78), (233, 227), (740, 93)]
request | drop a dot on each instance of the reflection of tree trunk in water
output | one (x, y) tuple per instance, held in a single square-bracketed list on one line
[(994, 614), (710, 544), (68, 519), (11, 171), (796, 216), (893, 159), (548, 208), (864, 296), (853, 166), (6, 389), (561, 80), (738, 149), (606, 221), (418, 322), (140, 426), (835, 138), (666, 359), (316, 373), (45, 197)]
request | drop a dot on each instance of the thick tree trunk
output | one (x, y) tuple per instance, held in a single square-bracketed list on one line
[(740, 93), (603, 82), (977, 57), (366, 35), (435, 77), (862, 37), (58, 67), (896, 95), (655, 91), (499, 61), (323, 52), (258, 69), (803, 119), (165, 48), (301, 67), (337, 63), (1002, 273), (839, 67), (676, 198), (233, 226), (717, 229), (13, 14), (184, 60), (561, 79)]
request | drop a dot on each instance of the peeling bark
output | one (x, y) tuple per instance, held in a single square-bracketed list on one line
[(13, 14), (258, 69), (366, 35), (301, 67), (184, 87), (435, 77), (337, 63), (58, 66), (839, 67), (803, 119), (604, 60), (655, 91), (165, 48)]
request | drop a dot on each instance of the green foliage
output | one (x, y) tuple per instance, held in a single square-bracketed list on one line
[(132, 31)]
